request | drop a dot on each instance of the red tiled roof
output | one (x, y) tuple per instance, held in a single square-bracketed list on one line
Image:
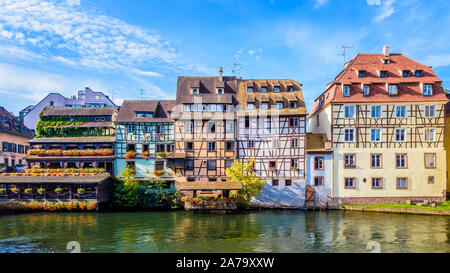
[(409, 89)]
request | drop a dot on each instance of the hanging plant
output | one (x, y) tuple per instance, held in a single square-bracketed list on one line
[(28, 191), (81, 191), (41, 191), (2, 191), (15, 190), (58, 190)]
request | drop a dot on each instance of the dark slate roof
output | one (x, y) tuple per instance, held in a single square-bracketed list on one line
[(73, 140), (161, 110), (79, 111), (207, 89), (12, 125)]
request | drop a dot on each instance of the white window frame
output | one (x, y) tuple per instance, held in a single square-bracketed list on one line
[(276, 89), (404, 134), (392, 90), (264, 106), (372, 111), (263, 89), (427, 109), (353, 135), (194, 91), (249, 89), (250, 106), (429, 132), (364, 90), (397, 107), (428, 90), (353, 111), (279, 105), (346, 91), (380, 134)]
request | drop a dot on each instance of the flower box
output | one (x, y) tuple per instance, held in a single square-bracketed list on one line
[(158, 173), (145, 154), (130, 154)]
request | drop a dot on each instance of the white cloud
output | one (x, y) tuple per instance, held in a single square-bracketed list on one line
[(386, 9), (437, 60), (251, 52), (320, 3), (76, 37)]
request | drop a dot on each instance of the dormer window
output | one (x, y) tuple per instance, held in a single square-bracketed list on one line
[(386, 61), (418, 73), (250, 106), (279, 105), (362, 74), (144, 114), (276, 90), (194, 91), (290, 89), (263, 90), (383, 74), (405, 73), (346, 90), (293, 105), (264, 106), (219, 91), (427, 90), (392, 90), (249, 90), (366, 90)]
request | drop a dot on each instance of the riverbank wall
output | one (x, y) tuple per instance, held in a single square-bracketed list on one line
[(396, 210)]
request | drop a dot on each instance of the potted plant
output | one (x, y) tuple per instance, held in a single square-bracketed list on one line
[(81, 191), (130, 154), (2, 191), (28, 191), (294, 168), (158, 173), (41, 191), (272, 169), (15, 190), (145, 154), (58, 190)]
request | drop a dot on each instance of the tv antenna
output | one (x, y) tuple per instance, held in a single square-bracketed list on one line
[(111, 91), (343, 52), (141, 91), (237, 65)]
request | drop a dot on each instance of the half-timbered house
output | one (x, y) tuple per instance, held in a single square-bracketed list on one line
[(271, 131), (384, 114), (144, 138)]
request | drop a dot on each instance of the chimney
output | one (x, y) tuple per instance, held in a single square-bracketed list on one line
[(386, 50), (220, 74)]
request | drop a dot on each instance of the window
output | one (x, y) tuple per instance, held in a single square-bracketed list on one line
[(144, 115), (191, 179), (383, 74), (294, 163), (211, 164), (318, 163), (189, 146), (294, 142), (400, 134), (194, 91), (400, 111), (263, 90), (159, 165), (131, 165), (430, 111), (346, 90), (430, 179), (211, 127), (220, 107), (392, 90), (293, 122), (290, 89), (189, 164), (251, 144), (279, 105), (366, 90), (288, 182), (211, 146), (362, 74), (250, 106), (4, 146), (349, 111), (375, 161), (349, 135), (418, 73), (219, 91), (401, 161), (318, 181), (274, 183), (52, 103), (272, 164), (317, 120), (228, 163), (249, 90), (405, 73), (349, 161), (275, 143), (375, 135), (402, 183), (247, 122), (229, 145), (131, 147), (427, 90), (130, 129), (276, 90), (430, 160), (229, 126), (189, 127), (430, 134), (293, 105), (264, 106), (350, 182), (375, 111), (377, 182)]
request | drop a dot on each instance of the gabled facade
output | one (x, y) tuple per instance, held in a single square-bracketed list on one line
[(384, 114), (145, 136), (85, 98), (70, 137), (13, 138), (271, 123)]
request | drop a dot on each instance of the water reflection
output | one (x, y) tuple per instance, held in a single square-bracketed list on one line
[(266, 231)]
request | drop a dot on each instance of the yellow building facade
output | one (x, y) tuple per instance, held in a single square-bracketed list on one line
[(447, 142)]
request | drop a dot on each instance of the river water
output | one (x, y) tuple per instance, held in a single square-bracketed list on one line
[(265, 231)]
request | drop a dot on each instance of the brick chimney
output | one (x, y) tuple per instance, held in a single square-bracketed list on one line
[(386, 50), (220, 74)]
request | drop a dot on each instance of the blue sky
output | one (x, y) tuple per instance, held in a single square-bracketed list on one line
[(120, 47)]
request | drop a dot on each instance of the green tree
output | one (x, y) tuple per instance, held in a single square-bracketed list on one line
[(127, 190), (251, 183), (156, 196)]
